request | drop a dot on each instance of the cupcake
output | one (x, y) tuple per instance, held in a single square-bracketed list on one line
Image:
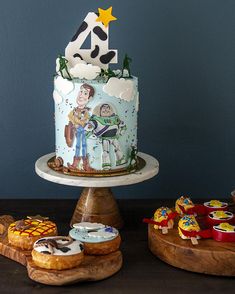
[(224, 232), (188, 228), (213, 205), (183, 205), (164, 219), (219, 216)]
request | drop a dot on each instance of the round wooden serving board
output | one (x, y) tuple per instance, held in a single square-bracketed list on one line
[(93, 268), (208, 257)]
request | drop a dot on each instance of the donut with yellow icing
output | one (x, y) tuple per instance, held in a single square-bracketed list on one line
[(24, 233), (57, 253), (183, 204)]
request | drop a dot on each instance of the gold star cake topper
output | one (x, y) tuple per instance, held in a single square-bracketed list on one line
[(105, 16)]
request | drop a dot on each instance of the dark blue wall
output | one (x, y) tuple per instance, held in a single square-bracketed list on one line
[(184, 55)]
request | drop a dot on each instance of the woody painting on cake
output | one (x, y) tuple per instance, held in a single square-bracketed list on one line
[(78, 119)]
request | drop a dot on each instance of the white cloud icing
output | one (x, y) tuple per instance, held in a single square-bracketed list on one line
[(63, 85), (101, 234), (85, 71), (88, 226), (120, 88), (57, 97)]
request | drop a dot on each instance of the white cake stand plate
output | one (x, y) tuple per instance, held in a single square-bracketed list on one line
[(96, 203)]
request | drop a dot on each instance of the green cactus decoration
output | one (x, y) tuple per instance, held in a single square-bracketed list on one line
[(107, 73)]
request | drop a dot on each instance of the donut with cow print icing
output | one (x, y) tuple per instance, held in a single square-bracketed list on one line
[(57, 253)]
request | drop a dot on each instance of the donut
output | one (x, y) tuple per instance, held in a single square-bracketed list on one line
[(183, 204), (57, 253), (97, 238), (24, 233)]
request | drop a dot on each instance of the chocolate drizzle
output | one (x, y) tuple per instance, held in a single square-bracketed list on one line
[(21, 225)]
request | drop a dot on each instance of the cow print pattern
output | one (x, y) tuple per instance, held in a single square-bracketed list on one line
[(64, 249), (46, 252), (100, 33), (106, 58), (97, 55), (95, 52), (81, 29), (77, 55)]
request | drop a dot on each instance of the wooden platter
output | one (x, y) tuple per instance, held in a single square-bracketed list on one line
[(93, 268), (208, 257)]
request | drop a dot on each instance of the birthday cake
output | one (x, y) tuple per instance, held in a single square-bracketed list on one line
[(95, 107)]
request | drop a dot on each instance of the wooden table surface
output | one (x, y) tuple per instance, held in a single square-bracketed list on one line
[(142, 272)]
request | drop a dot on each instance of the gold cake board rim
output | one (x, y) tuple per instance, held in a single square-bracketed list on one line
[(96, 174)]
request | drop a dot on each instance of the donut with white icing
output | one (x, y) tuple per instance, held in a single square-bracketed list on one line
[(57, 253), (97, 239)]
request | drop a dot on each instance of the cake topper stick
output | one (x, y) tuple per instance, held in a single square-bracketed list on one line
[(194, 241), (164, 230), (97, 28)]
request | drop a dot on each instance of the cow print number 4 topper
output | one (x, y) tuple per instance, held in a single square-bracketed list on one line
[(95, 25)]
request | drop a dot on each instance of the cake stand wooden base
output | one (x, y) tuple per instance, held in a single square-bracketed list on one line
[(97, 205), (208, 257), (93, 268)]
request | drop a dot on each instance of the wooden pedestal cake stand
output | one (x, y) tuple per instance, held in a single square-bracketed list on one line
[(208, 257), (96, 203)]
